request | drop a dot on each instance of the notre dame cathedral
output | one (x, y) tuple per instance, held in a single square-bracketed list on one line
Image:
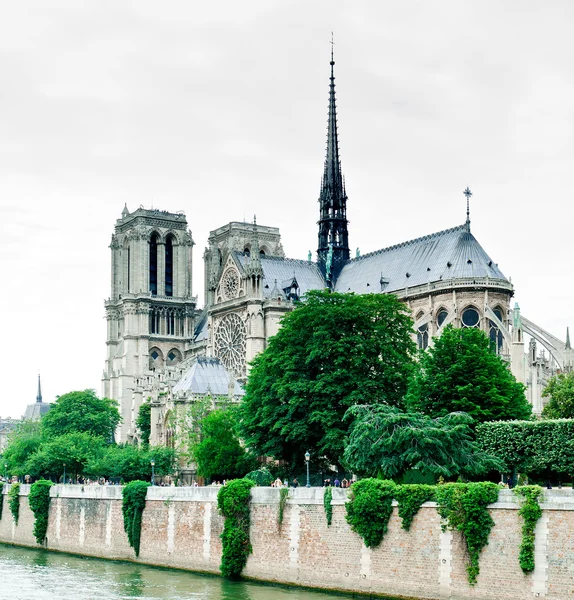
[(160, 345)]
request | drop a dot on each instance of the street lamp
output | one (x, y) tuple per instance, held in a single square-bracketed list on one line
[(64, 473), (152, 463), (307, 458)]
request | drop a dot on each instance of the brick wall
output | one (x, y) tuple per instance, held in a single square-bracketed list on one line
[(181, 528)]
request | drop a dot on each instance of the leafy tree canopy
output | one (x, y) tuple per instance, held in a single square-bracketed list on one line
[(333, 351), (131, 463), (220, 454), (72, 449), (23, 441), (386, 442), (560, 390), (461, 373), (82, 412), (143, 421)]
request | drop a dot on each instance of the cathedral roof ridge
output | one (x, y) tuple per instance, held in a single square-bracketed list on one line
[(424, 238)]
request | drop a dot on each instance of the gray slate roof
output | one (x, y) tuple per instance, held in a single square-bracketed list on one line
[(418, 262), (207, 375), (274, 268), (35, 411)]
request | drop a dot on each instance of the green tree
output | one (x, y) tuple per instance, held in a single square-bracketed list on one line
[(72, 449), (23, 441), (333, 351), (560, 390), (143, 421), (220, 454), (82, 412), (461, 373), (386, 442), (131, 463)]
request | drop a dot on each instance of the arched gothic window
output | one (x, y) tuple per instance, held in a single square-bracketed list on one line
[(153, 264), (423, 336), (494, 333), (169, 266), (441, 316)]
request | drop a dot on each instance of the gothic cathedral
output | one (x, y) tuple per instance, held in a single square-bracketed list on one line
[(161, 346)]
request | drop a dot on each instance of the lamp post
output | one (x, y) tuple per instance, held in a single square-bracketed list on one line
[(152, 463), (307, 458), (64, 473)]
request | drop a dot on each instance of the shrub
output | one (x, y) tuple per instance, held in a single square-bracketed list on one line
[(463, 508), (133, 504), (14, 501), (39, 501), (369, 509), (260, 476), (233, 503)]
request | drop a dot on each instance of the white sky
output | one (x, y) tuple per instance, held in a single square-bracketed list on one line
[(219, 109)]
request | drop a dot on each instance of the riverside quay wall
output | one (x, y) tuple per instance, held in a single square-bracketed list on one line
[(181, 529)]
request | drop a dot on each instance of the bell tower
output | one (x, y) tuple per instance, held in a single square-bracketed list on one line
[(150, 313)]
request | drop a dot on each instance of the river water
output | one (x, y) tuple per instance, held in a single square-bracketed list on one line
[(30, 574)]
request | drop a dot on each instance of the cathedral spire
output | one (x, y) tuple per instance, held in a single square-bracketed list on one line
[(254, 264), (468, 195), (568, 346), (39, 396), (333, 231)]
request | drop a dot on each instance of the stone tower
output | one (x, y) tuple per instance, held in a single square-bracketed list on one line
[(333, 244), (150, 312)]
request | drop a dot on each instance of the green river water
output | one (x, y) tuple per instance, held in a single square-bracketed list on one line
[(29, 574)]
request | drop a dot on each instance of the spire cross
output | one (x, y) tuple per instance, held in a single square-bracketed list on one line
[(468, 195), (332, 46)]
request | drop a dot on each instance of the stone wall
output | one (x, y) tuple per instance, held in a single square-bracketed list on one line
[(181, 528)]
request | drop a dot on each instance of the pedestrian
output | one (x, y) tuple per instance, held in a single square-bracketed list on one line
[(337, 483), (295, 483)]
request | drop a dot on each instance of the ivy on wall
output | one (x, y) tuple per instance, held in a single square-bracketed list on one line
[(133, 504), (369, 509), (410, 498), (463, 507), (39, 501), (283, 494), (14, 501), (530, 512), (233, 503), (327, 497)]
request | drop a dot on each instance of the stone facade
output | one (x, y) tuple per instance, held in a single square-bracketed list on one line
[(181, 529)]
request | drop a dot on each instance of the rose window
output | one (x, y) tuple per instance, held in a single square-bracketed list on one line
[(230, 284), (230, 343)]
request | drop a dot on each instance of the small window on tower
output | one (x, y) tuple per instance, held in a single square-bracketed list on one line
[(154, 355), (171, 356)]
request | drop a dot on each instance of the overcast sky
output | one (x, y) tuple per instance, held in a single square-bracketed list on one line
[(219, 109)]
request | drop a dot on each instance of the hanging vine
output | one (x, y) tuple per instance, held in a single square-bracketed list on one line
[(530, 512), (233, 503), (327, 497), (133, 504), (39, 501), (14, 501), (463, 507), (410, 498), (369, 509), (283, 494)]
